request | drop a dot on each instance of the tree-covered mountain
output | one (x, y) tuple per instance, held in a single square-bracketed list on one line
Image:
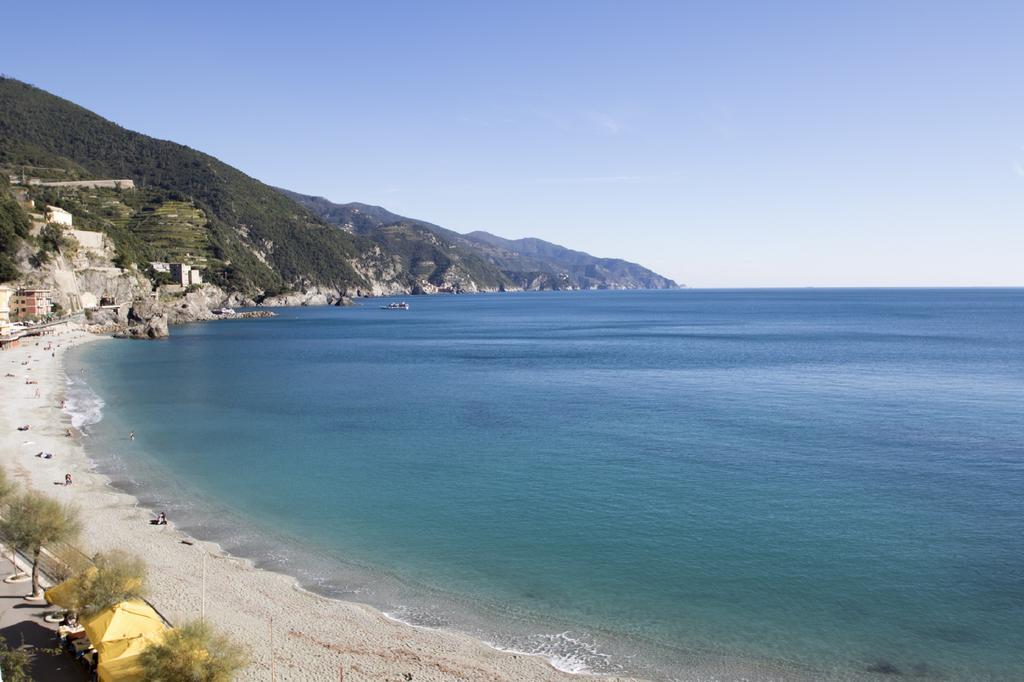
[(521, 263), (250, 237), (258, 240), (14, 228)]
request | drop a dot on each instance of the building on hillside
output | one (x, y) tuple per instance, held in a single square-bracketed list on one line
[(160, 266), (29, 303), (185, 275), (58, 216)]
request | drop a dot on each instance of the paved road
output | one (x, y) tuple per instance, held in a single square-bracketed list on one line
[(21, 624)]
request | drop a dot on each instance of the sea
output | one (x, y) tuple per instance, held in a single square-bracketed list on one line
[(693, 484)]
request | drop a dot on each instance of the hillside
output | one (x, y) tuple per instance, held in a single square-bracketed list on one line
[(256, 239), (246, 236), (521, 263)]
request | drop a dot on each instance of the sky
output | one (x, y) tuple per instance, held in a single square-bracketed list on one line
[(723, 144)]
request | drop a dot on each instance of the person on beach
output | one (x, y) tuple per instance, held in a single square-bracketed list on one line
[(67, 479), (161, 519)]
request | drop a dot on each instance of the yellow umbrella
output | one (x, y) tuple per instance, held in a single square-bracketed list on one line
[(119, 661), (122, 621), (63, 594)]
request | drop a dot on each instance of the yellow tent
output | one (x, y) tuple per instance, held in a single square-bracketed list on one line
[(61, 595), (126, 620), (119, 661)]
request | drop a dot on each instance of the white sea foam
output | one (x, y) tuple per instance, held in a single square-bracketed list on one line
[(82, 404), (563, 651)]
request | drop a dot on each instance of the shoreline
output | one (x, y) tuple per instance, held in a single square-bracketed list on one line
[(314, 635)]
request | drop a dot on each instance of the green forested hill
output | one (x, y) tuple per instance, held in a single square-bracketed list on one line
[(251, 237), (427, 252), (524, 263), (258, 238), (13, 229)]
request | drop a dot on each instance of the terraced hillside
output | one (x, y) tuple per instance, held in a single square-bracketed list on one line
[(174, 231), (144, 225)]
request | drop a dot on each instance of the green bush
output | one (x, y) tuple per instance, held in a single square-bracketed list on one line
[(194, 652), (15, 664)]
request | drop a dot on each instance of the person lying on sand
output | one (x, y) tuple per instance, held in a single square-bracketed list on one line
[(160, 520), (26, 427)]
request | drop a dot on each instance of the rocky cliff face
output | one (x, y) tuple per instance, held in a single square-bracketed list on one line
[(312, 296)]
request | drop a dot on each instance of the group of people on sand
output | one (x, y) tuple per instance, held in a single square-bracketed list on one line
[(160, 520)]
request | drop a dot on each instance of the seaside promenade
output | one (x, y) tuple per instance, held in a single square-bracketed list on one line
[(22, 626)]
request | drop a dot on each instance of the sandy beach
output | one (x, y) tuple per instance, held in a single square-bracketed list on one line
[(313, 637)]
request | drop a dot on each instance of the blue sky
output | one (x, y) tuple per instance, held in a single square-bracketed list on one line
[(719, 143)]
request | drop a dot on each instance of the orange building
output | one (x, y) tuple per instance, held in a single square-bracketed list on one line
[(30, 303)]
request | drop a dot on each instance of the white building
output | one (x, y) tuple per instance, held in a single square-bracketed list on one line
[(5, 308), (58, 216)]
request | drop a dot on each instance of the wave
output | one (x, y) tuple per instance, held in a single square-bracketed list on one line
[(564, 652), (82, 404)]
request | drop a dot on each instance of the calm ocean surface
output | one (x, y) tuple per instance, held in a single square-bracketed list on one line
[(818, 482)]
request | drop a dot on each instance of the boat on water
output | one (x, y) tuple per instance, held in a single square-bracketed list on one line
[(395, 306), (224, 311)]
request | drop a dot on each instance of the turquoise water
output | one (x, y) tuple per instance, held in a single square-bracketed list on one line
[(793, 483)]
